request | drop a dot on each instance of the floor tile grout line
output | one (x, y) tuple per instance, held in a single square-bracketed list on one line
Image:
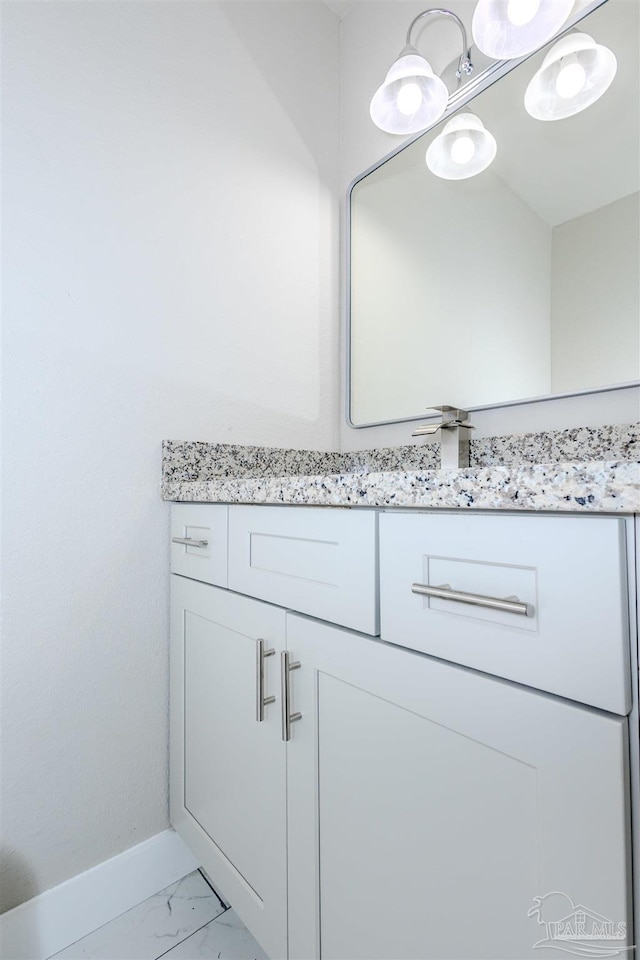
[(192, 934), (225, 906)]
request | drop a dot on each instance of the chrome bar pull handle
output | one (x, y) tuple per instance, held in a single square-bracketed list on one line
[(286, 666), (190, 541), (445, 592), (261, 700)]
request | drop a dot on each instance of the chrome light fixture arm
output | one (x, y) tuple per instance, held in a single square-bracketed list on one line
[(465, 66)]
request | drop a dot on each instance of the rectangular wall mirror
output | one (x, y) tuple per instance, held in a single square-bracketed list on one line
[(517, 284)]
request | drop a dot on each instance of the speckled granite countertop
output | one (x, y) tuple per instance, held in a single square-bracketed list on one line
[(586, 470)]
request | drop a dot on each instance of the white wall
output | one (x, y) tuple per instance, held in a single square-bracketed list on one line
[(596, 278), (170, 214), (373, 34)]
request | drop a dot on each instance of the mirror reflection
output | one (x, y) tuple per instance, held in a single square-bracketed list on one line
[(514, 284)]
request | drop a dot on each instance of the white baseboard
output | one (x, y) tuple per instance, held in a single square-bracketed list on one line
[(57, 918)]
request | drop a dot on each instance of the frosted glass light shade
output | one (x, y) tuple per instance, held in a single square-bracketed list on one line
[(411, 98), (463, 149), (574, 74), (504, 29)]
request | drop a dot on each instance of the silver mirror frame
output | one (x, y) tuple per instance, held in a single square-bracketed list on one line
[(476, 85)]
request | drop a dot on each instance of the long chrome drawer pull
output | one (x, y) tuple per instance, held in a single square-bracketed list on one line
[(445, 592), (261, 700), (287, 717), (190, 541)]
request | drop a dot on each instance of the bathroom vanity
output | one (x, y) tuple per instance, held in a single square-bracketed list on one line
[(404, 700), (409, 732)]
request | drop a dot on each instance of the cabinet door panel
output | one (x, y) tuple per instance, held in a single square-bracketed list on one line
[(228, 772), (318, 561), (446, 801)]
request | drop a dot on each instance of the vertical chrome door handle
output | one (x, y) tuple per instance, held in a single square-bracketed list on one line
[(286, 666), (261, 700)]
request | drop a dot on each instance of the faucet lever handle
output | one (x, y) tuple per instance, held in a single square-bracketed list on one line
[(426, 430)]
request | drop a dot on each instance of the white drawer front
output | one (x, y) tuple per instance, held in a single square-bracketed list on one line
[(570, 571), (318, 561), (200, 522)]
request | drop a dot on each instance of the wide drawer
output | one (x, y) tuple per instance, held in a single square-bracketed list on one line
[(205, 558), (573, 639), (318, 561)]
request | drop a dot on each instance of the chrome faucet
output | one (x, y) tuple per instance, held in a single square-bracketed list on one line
[(455, 431)]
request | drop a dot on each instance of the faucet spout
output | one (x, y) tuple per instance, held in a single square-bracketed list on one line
[(455, 434)]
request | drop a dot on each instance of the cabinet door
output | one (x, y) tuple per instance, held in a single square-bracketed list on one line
[(446, 802), (228, 771)]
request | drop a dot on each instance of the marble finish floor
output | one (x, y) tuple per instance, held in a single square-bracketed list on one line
[(186, 921)]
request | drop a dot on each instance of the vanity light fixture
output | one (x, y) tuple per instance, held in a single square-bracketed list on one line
[(574, 74), (505, 29), (463, 149), (412, 96)]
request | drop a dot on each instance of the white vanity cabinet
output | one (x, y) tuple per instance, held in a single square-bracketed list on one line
[(419, 807), (228, 777)]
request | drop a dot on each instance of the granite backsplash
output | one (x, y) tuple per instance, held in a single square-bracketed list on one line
[(202, 461)]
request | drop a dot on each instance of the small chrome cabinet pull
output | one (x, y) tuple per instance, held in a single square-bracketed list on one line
[(287, 717), (190, 541), (445, 592), (261, 700)]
